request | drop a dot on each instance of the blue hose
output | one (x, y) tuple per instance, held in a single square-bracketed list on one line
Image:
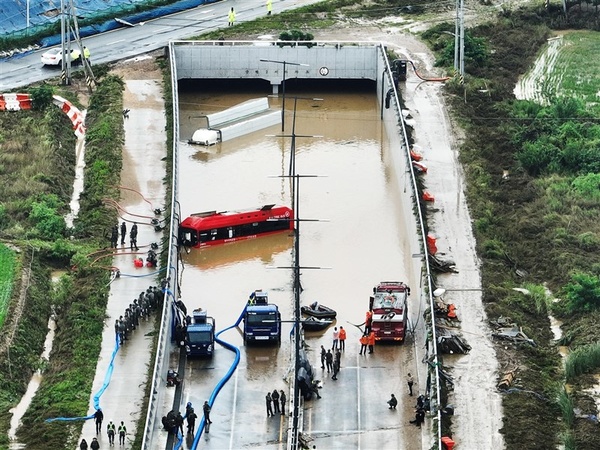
[(98, 394), (221, 383)]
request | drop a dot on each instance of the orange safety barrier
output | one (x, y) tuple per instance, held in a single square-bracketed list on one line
[(431, 245), (421, 168), (415, 156), (428, 197), (451, 311), (448, 443)]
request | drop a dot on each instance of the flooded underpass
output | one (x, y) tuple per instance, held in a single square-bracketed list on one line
[(356, 241)]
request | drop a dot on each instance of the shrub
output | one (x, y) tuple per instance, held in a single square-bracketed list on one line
[(582, 293), (41, 97), (582, 360)]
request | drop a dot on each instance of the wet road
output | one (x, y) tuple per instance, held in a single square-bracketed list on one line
[(359, 242)]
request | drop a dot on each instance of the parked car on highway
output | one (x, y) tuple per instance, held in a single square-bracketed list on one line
[(53, 57)]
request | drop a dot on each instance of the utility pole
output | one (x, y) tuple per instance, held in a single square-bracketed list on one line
[(456, 38), (63, 73), (87, 68), (462, 41)]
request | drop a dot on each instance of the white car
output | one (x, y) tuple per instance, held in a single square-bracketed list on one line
[(53, 57)]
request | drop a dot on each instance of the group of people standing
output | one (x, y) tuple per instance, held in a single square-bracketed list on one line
[(114, 235), (111, 431), (147, 302), (275, 402)]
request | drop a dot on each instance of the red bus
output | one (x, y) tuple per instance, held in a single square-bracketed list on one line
[(211, 228)]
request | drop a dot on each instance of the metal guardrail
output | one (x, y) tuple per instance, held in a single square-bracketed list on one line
[(395, 101), (159, 373)]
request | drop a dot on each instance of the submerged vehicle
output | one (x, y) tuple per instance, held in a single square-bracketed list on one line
[(262, 320), (211, 228), (315, 309), (389, 305), (200, 335)]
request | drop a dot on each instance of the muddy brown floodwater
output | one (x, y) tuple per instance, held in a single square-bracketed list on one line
[(357, 242)]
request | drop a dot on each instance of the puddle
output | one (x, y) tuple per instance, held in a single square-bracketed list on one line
[(594, 391), (19, 410), (78, 183)]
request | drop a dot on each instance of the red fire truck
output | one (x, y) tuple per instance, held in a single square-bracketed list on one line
[(389, 305)]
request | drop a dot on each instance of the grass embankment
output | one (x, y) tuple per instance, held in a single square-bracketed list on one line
[(7, 273), (539, 225), (81, 295), (38, 160)]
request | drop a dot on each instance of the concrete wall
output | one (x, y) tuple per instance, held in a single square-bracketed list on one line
[(325, 60)]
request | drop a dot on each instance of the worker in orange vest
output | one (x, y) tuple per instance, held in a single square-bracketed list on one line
[(342, 339), (371, 341), (368, 321), (364, 340)]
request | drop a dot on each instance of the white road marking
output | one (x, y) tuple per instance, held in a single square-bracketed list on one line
[(234, 409), (201, 13), (358, 425), (115, 42)]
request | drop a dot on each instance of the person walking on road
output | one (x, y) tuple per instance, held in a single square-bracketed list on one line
[(206, 410), (329, 361), (371, 341), (364, 340), (410, 381), (336, 366), (98, 418), (114, 236), (133, 237), (111, 430), (269, 401), (269, 7), (275, 398), (342, 339), (123, 233), (323, 353), (122, 433), (191, 421), (83, 445), (231, 16), (95, 445), (336, 338), (282, 399)]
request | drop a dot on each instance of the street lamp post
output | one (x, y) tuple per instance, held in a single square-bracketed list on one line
[(284, 63)]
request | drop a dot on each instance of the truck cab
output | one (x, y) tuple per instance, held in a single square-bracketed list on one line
[(200, 335), (262, 320)]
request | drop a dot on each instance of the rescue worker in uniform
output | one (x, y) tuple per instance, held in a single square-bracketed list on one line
[(111, 431), (368, 321), (371, 341), (122, 432), (231, 16), (364, 341)]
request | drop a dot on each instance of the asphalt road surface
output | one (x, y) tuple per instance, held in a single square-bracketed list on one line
[(126, 42)]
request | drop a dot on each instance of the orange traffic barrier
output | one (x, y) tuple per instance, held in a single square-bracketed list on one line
[(431, 245), (420, 168), (415, 156), (428, 197)]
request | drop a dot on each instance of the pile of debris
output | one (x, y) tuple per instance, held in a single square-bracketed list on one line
[(507, 330), (450, 342)]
